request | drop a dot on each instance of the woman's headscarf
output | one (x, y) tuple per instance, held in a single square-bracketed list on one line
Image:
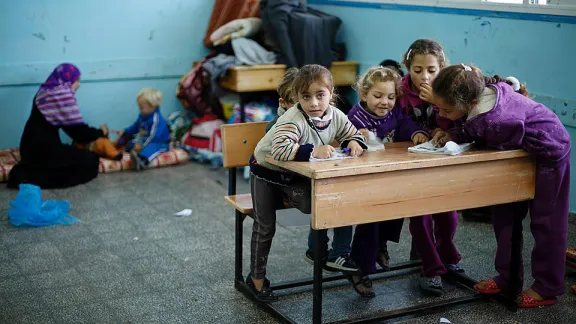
[(56, 99)]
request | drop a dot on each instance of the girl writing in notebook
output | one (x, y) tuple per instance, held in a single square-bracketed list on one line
[(302, 132)]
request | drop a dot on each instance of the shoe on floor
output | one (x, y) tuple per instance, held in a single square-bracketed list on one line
[(455, 267), (266, 295), (490, 287), (526, 301), (137, 163), (342, 263), (431, 285), (309, 257), (362, 285)]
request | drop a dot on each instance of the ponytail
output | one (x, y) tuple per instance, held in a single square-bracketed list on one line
[(511, 81)]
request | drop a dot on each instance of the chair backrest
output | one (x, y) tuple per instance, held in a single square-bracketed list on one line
[(239, 141)]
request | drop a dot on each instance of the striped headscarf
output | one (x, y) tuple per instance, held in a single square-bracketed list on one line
[(56, 99)]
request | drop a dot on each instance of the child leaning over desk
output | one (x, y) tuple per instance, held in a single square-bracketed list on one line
[(498, 117)]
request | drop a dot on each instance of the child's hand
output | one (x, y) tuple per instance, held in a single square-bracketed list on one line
[(441, 138), (365, 132), (426, 93), (419, 138), (323, 152), (355, 149), (104, 129), (137, 148)]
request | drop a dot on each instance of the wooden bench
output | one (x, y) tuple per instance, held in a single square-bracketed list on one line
[(238, 144)]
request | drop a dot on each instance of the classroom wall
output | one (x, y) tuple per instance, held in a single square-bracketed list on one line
[(537, 52), (120, 47)]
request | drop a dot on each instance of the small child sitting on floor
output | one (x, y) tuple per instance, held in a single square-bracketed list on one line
[(150, 134)]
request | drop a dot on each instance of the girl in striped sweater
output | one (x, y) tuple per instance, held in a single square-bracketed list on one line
[(302, 132)]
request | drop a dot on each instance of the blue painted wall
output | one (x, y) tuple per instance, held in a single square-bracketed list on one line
[(538, 53), (120, 47)]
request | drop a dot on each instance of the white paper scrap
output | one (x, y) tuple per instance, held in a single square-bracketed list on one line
[(184, 212), (444, 320)]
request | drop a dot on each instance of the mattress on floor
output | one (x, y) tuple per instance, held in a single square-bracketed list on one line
[(9, 158)]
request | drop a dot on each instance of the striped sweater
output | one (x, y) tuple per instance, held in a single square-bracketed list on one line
[(292, 138)]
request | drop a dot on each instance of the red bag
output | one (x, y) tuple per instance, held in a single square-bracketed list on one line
[(194, 91), (204, 133)]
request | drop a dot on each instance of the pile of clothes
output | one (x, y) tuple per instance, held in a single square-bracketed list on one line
[(253, 33), (247, 32)]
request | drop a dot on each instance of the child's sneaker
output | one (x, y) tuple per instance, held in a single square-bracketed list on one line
[(137, 162), (342, 263), (455, 268), (431, 285), (309, 257), (266, 295)]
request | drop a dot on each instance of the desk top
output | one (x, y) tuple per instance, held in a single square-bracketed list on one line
[(283, 66), (395, 157)]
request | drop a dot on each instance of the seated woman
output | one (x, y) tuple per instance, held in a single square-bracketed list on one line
[(45, 160)]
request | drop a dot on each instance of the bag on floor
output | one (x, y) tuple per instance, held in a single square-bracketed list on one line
[(28, 209)]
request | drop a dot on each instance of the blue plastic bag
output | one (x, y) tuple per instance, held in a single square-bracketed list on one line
[(28, 209)]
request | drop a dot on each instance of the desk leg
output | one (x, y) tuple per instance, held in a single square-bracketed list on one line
[(242, 108), (317, 286), (515, 257), (238, 248)]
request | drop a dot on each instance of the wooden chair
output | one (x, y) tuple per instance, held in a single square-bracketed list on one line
[(238, 143)]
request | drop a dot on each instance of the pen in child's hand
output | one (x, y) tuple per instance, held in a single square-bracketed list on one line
[(346, 150)]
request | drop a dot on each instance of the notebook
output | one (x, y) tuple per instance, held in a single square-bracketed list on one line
[(450, 148)]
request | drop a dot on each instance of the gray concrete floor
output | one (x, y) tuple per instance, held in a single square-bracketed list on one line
[(131, 261)]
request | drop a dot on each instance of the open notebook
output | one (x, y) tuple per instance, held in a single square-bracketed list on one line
[(449, 148)]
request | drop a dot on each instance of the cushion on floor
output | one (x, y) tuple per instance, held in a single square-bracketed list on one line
[(9, 158)]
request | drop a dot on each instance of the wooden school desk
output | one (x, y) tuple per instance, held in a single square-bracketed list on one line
[(394, 183)]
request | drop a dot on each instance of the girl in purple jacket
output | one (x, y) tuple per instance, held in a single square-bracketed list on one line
[(376, 113), (432, 235), (500, 118)]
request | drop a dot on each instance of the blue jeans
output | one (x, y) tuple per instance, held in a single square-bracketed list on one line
[(340, 244)]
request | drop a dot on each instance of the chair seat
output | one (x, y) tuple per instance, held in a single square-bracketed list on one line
[(243, 203)]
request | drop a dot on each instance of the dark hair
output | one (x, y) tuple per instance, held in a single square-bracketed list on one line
[(284, 88), (460, 85), (393, 65), (496, 78), (309, 74), (424, 47), (375, 75)]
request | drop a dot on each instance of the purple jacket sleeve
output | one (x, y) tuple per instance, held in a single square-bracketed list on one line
[(406, 128), (514, 134)]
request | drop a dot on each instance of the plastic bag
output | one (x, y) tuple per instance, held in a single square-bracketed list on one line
[(28, 209)]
